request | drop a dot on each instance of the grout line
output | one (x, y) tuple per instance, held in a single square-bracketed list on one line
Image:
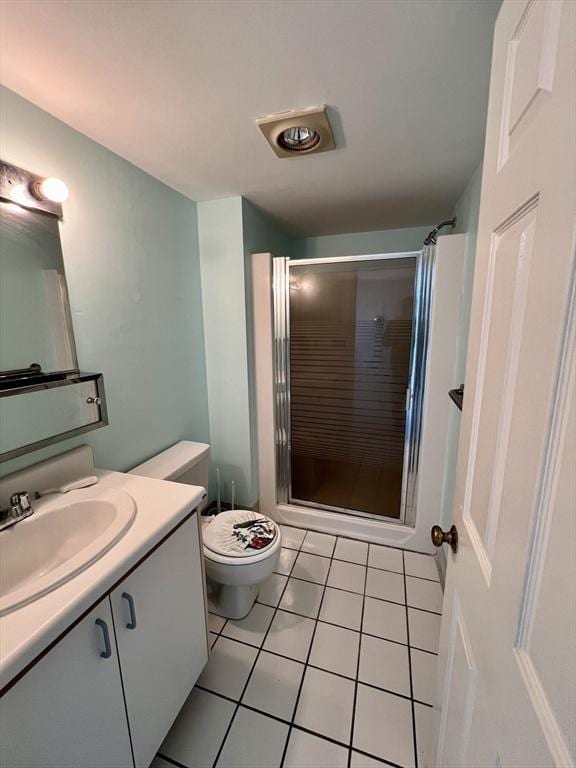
[(341, 626), (291, 723), (424, 578), (361, 541), (378, 759), (414, 742), (321, 669), (303, 727), (351, 592), (221, 628), (259, 651), (355, 698), (171, 760), (306, 664), (325, 584), (363, 565), (288, 722)]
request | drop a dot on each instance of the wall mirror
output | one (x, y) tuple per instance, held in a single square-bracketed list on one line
[(44, 397)]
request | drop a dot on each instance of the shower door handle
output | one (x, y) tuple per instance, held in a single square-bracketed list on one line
[(408, 398)]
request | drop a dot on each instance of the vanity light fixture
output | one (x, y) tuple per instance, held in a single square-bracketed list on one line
[(30, 191), (19, 194), (52, 189), (298, 132)]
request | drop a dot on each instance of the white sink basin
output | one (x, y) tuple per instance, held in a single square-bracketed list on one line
[(65, 535)]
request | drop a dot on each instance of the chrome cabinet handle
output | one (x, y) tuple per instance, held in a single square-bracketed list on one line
[(130, 600), (107, 652)]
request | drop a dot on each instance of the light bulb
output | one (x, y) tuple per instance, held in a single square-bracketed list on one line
[(53, 189), (19, 194)]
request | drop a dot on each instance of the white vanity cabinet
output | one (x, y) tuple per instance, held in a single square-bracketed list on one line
[(68, 711), (160, 623), (107, 693)]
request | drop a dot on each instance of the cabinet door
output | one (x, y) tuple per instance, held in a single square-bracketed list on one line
[(68, 711), (160, 623)]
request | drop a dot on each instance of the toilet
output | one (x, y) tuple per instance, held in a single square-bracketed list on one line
[(233, 574)]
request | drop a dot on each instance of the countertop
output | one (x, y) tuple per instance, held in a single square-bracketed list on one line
[(29, 630)]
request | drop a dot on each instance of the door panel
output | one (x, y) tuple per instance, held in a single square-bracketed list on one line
[(459, 693), (514, 573), (504, 307), (548, 616), (530, 68), (163, 654), (68, 711)]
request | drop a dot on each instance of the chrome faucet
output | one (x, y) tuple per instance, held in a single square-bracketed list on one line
[(20, 508)]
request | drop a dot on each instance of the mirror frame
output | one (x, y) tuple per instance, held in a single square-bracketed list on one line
[(66, 379)]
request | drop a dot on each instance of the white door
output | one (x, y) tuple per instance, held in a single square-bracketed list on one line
[(68, 711), (160, 623), (508, 660)]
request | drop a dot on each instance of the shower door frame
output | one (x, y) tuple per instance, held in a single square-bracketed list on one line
[(414, 391)]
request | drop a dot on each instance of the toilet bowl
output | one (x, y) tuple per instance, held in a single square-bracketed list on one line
[(234, 578), (233, 575)]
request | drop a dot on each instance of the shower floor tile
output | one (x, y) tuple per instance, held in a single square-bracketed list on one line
[(318, 673)]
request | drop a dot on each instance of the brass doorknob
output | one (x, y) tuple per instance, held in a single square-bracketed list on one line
[(440, 537)]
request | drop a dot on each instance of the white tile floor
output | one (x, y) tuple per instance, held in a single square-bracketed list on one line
[(333, 667)]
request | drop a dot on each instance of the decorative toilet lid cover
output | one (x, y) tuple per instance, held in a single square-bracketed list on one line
[(239, 533)]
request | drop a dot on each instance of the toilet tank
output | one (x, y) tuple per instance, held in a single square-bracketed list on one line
[(186, 462)]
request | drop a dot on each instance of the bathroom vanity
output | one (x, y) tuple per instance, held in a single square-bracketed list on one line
[(94, 672)]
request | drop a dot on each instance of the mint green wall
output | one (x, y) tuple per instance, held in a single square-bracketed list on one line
[(229, 231), (360, 243), (130, 247), (466, 211), (224, 307)]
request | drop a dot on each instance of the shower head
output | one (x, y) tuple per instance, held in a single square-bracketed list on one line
[(430, 239)]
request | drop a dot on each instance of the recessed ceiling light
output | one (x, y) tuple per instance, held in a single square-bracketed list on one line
[(298, 132), (299, 139)]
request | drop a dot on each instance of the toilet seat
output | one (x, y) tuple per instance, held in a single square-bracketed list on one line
[(220, 546), (262, 554)]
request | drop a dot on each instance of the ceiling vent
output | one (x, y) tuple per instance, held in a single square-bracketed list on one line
[(298, 132)]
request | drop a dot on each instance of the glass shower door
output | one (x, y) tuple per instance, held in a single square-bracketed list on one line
[(349, 347)]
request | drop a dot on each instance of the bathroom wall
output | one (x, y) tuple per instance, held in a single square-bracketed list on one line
[(357, 243), (466, 211), (222, 267), (130, 247), (229, 231)]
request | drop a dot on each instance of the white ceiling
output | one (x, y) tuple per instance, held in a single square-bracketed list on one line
[(174, 86)]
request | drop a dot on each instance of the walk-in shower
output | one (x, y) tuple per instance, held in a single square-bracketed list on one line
[(350, 340)]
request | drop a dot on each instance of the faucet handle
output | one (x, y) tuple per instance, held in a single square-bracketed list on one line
[(21, 500)]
